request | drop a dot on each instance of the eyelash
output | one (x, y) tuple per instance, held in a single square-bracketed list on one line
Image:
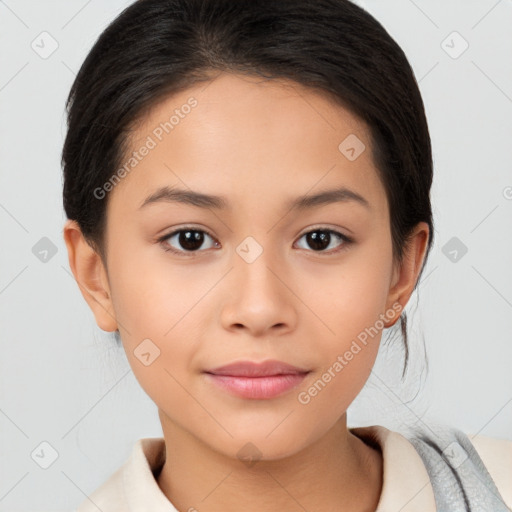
[(162, 240)]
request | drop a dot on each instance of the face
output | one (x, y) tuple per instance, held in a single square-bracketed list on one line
[(196, 283)]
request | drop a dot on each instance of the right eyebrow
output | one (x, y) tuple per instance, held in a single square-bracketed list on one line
[(172, 194)]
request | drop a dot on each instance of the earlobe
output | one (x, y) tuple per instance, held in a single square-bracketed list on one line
[(406, 275), (90, 275)]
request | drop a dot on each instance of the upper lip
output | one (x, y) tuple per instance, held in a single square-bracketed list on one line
[(257, 369)]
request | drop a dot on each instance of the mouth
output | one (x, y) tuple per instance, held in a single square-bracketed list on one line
[(258, 381)]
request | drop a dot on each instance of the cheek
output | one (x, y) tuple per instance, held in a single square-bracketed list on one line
[(353, 297), (348, 353), (351, 305), (329, 393), (151, 294), (161, 310)]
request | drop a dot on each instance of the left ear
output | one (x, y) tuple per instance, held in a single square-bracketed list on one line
[(405, 276)]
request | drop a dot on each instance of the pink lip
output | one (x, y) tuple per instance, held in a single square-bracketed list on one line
[(248, 379)]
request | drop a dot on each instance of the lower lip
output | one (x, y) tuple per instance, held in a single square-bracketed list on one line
[(258, 388)]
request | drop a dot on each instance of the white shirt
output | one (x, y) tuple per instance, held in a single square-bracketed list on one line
[(406, 485)]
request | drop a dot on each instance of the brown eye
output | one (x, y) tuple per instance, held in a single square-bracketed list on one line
[(185, 240), (321, 239)]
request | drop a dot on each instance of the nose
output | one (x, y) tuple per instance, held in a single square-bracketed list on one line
[(260, 298)]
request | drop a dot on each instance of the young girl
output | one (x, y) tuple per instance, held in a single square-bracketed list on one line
[(247, 187)]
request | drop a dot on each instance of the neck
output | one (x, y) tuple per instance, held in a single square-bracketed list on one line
[(337, 472)]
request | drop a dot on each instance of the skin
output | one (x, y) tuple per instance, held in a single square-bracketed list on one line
[(259, 144)]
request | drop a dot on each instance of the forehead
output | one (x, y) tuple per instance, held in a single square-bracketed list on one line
[(241, 136)]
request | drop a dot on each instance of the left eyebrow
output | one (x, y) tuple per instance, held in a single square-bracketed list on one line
[(338, 195), (171, 194)]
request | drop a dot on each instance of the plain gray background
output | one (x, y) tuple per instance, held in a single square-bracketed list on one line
[(64, 382)]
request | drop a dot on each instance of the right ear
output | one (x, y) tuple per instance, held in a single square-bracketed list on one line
[(90, 275)]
